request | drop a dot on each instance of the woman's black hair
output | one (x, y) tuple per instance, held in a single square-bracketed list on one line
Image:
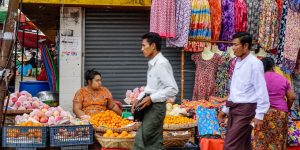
[(268, 63), (90, 75)]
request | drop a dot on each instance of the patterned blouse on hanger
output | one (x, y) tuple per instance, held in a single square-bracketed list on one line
[(205, 76)]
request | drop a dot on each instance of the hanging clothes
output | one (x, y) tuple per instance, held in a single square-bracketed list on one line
[(240, 9), (183, 15), (200, 25), (207, 121), (292, 38), (223, 76), (205, 76), (280, 8), (227, 29), (294, 5), (268, 25), (253, 17), (162, 18), (281, 40), (216, 18)]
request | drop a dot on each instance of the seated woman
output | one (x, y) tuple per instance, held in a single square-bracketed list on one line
[(273, 134), (93, 98), (26, 69)]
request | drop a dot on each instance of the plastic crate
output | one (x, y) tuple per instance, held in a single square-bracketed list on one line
[(24, 137), (71, 135), (80, 147)]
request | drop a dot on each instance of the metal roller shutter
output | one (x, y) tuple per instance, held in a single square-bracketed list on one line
[(112, 46)]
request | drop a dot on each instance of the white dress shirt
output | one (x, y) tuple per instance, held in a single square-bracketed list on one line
[(248, 85), (161, 84)]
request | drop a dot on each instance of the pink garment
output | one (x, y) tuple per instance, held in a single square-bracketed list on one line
[(240, 9), (162, 18), (277, 87), (205, 76)]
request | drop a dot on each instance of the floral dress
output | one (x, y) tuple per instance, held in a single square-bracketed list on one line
[(268, 25), (205, 76), (227, 29), (162, 18), (216, 18), (223, 76)]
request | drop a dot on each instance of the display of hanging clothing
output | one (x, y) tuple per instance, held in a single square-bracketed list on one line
[(223, 76), (292, 38), (268, 25), (200, 25), (296, 82), (294, 5), (253, 17), (183, 15), (227, 28), (216, 18), (280, 8), (205, 75), (240, 9), (162, 18), (281, 40)]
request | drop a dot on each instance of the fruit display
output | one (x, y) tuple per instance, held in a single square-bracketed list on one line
[(49, 116), (178, 120), (123, 134), (175, 110), (109, 119), (23, 101), (213, 102), (132, 95), (30, 124)]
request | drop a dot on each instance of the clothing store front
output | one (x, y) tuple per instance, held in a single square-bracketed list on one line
[(112, 46)]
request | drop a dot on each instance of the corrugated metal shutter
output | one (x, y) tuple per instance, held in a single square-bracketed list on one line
[(112, 46)]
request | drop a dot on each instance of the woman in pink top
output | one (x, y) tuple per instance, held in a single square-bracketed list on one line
[(273, 135)]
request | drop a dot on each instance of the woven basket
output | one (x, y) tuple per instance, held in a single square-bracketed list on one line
[(175, 127), (115, 142), (176, 141), (133, 127)]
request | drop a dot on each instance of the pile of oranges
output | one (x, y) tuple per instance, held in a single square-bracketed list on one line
[(111, 134), (109, 119), (30, 124), (178, 120)]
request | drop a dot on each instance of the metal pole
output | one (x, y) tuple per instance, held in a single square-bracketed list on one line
[(22, 53), (37, 52)]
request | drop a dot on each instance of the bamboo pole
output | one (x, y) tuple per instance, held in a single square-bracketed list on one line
[(182, 73), (7, 45)]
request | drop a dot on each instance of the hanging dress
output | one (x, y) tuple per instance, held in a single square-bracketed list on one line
[(216, 18), (292, 40), (183, 15), (200, 26), (162, 18), (240, 9), (268, 25), (227, 28), (223, 76), (253, 17), (281, 40), (205, 75)]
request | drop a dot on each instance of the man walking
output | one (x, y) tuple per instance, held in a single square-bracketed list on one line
[(160, 86), (248, 96)]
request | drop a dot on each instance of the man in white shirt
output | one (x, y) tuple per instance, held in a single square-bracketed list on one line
[(248, 99), (161, 86)]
